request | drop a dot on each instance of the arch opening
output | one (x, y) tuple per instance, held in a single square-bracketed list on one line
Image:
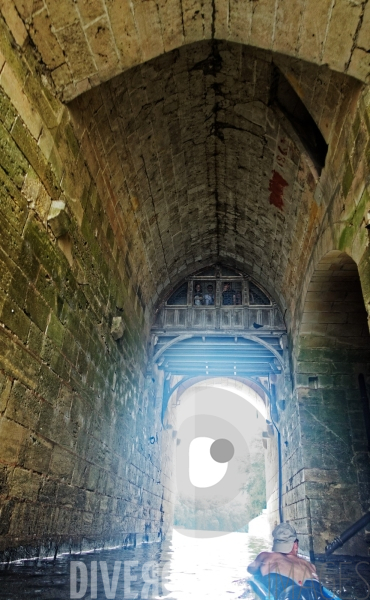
[(218, 494), (235, 349), (332, 360)]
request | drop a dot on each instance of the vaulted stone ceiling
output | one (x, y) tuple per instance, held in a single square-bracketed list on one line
[(85, 42), (195, 166), (192, 161)]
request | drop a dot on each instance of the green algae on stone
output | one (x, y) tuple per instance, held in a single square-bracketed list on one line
[(347, 180)]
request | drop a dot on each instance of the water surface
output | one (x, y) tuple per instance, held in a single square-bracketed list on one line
[(182, 568)]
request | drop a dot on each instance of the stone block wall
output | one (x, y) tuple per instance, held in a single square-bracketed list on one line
[(76, 410), (324, 441), (333, 351), (293, 502), (333, 346), (187, 143), (84, 44)]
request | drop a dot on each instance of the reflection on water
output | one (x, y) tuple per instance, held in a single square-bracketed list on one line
[(211, 568), (180, 569)]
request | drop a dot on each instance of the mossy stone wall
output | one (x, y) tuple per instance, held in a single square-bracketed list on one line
[(76, 409)]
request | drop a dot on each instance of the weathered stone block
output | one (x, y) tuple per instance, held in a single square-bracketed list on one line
[(55, 331), (61, 464), (17, 361), (70, 496), (82, 364), (45, 252), (11, 438), (5, 387), (24, 484), (8, 114), (29, 262), (23, 406), (35, 157), (92, 502), (15, 320), (35, 453), (63, 518), (48, 491), (48, 384), (44, 102), (60, 365), (64, 430), (13, 206), (7, 269), (313, 367), (11, 159), (18, 288), (6, 512), (35, 338), (3, 481), (46, 288), (36, 308)]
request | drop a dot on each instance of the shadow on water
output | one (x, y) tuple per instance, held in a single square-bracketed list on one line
[(183, 568)]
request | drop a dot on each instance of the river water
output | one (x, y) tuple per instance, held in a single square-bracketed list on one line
[(182, 568)]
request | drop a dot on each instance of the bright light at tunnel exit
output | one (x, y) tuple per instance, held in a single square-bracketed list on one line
[(203, 470)]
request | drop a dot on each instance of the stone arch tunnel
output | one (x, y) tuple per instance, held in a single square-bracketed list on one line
[(142, 146)]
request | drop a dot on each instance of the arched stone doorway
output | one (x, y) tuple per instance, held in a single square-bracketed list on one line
[(238, 346), (332, 358), (317, 464)]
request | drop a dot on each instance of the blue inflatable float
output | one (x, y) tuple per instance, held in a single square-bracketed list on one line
[(264, 594)]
